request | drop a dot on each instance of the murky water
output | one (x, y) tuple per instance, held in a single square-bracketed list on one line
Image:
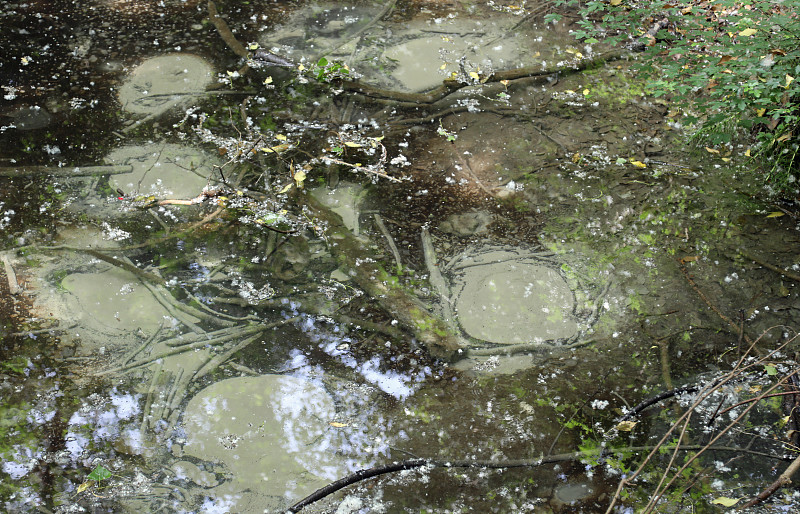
[(226, 286)]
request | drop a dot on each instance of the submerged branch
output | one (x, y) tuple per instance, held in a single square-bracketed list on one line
[(352, 253), (66, 171)]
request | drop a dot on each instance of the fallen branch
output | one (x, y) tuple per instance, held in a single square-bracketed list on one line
[(225, 32), (364, 474), (787, 274), (784, 479), (75, 171), (736, 328)]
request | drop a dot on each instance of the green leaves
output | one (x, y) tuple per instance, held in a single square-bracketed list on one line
[(99, 474), (717, 58)]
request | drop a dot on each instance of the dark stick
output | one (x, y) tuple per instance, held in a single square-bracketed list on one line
[(364, 474)]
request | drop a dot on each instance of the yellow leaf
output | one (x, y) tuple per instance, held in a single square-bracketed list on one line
[(299, 177), (576, 157), (616, 2), (336, 424), (626, 426), (726, 502), (84, 486), (789, 80), (474, 75), (638, 164), (301, 67), (280, 137), (747, 32), (443, 66), (776, 214), (253, 46), (784, 137), (747, 153), (285, 188), (352, 144), (585, 92), (275, 149), (761, 111), (268, 81), (711, 150)]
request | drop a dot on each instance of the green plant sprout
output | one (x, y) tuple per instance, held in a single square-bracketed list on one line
[(98, 474)]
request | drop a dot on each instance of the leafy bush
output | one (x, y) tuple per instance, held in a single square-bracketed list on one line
[(725, 63)]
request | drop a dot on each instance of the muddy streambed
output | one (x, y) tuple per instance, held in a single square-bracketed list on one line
[(226, 286)]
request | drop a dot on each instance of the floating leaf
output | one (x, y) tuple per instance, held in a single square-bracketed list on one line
[(443, 66), (336, 424), (726, 502), (776, 214), (747, 32), (99, 473)]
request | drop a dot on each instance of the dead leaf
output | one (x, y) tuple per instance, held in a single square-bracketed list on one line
[(352, 145), (692, 258), (84, 486), (336, 424), (711, 150), (576, 158), (299, 176), (725, 501), (626, 426), (776, 214)]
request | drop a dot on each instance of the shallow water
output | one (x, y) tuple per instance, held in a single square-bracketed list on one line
[(276, 280)]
